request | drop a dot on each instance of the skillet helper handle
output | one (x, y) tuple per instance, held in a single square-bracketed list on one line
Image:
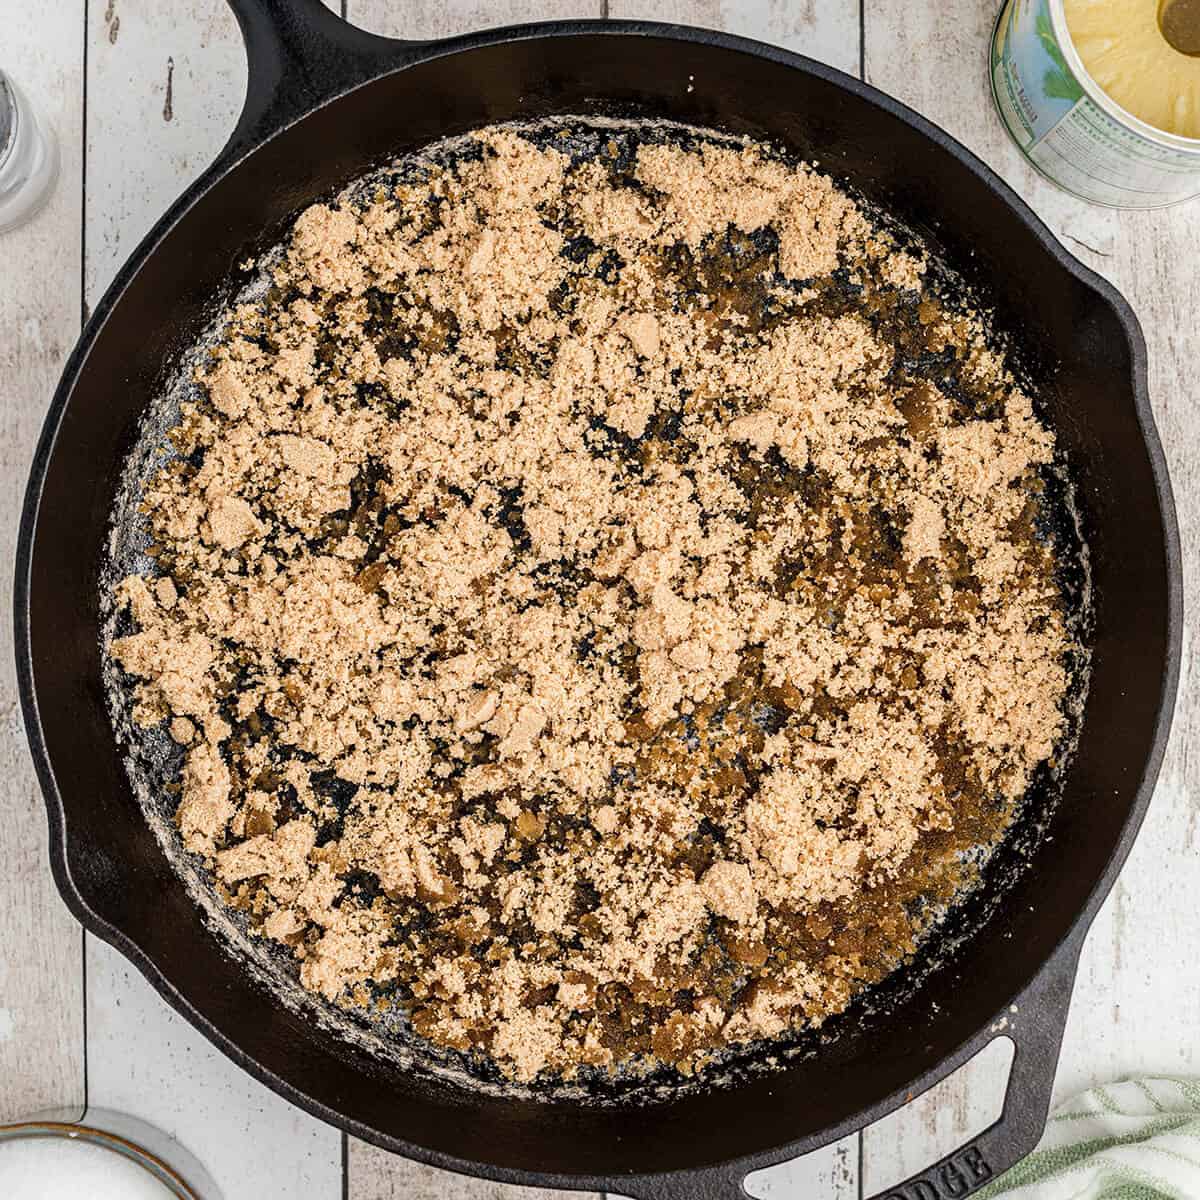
[(299, 55), (1035, 1024)]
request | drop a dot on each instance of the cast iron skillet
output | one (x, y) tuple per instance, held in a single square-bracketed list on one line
[(325, 102)]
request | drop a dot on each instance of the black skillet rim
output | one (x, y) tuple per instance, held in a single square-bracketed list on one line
[(225, 163)]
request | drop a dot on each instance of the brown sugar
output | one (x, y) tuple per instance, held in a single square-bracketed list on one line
[(584, 627)]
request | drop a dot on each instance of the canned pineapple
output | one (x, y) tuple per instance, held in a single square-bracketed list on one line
[(1068, 126)]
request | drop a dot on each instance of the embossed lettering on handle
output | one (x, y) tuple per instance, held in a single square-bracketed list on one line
[(961, 1174)]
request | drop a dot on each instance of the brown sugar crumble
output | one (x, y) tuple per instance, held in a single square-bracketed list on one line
[(586, 623)]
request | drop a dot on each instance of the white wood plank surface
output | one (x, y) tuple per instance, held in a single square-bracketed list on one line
[(823, 29), (145, 1060), (41, 992), (1134, 1008), (374, 1174), (165, 83), (423, 20)]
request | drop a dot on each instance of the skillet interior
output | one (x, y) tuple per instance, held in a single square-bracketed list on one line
[(112, 869)]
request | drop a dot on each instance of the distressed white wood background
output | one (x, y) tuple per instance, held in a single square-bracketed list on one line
[(142, 93)]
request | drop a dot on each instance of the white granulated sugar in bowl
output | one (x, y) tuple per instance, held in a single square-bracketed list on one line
[(60, 1168)]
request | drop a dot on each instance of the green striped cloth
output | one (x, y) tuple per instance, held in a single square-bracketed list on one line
[(1137, 1140)]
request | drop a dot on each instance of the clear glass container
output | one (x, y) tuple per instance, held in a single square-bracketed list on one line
[(28, 157), (102, 1156)]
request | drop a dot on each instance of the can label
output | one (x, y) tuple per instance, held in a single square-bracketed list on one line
[(1070, 137)]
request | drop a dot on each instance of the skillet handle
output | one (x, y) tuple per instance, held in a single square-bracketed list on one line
[(1035, 1024), (299, 55)]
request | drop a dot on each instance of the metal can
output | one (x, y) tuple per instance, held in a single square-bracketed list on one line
[(1070, 129)]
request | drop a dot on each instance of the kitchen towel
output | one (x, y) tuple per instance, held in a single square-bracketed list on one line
[(1136, 1140)]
